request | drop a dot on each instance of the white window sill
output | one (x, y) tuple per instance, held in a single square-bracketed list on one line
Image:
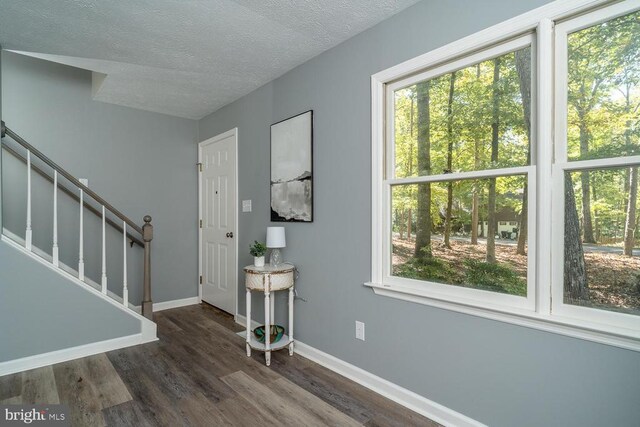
[(627, 339)]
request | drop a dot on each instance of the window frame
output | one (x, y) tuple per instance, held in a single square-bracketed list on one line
[(448, 292), (562, 164), (543, 174)]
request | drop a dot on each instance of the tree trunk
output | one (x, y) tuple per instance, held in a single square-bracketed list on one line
[(491, 203), (423, 214), (630, 224), (631, 185), (400, 222), (475, 206), (409, 220), (523, 67), (576, 289), (447, 218), (587, 223)]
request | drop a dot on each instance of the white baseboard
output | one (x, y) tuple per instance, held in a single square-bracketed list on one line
[(167, 305), (64, 355), (242, 320), (417, 403)]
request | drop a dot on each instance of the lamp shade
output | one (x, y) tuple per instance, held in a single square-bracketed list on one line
[(275, 237)]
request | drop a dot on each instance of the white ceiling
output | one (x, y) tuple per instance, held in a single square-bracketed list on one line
[(184, 58)]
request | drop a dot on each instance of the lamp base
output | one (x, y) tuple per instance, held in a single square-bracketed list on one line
[(276, 257)]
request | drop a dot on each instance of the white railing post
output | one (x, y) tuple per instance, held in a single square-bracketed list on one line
[(28, 232), (81, 242), (104, 254), (54, 250), (125, 289)]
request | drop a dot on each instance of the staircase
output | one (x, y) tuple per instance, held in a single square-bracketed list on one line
[(110, 290)]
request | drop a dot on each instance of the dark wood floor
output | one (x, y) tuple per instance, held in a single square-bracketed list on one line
[(198, 375)]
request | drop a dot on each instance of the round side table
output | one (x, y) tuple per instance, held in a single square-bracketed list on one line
[(269, 279)]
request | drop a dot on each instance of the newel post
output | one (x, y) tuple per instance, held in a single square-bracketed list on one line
[(147, 236)]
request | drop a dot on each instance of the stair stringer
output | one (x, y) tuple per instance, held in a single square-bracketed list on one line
[(148, 329)]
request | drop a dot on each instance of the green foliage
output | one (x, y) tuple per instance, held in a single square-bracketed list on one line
[(257, 249), (473, 274), (493, 277), (425, 269), (603, 96), (471, 119)]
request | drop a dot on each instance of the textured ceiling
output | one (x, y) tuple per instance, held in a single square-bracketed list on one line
[(184, 58)]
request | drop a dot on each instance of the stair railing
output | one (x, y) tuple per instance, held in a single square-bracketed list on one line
[(145, 232)]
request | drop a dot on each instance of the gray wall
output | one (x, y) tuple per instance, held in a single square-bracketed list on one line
[(141, 162), (499, 374), (52, 312)]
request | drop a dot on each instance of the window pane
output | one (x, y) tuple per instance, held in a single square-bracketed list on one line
[(444, 239), (472, 119), (602, 261), (603, 90)]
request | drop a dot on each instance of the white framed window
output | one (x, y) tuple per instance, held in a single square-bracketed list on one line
[(597, 147), (536, 119), (473, 104)]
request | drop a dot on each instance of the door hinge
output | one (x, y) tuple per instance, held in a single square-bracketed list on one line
[(200, 223), (201, 280), (199, 165)]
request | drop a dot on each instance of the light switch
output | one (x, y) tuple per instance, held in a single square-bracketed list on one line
[(84, 181), (246, 206)]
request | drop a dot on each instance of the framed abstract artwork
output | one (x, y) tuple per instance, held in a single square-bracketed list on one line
[(292, 169)]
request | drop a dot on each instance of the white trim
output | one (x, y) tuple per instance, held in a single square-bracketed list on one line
[(554, 324), (407, 398), (147, 326), (496, 34), (242, 320), (459, 176), (62, 266), (494, 51), (64, 355), (623, 332), (168, 305), (616, 321), (543, 160), (157, 306), (212, 140), (606, 163)]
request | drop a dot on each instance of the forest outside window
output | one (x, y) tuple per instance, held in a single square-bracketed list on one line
[(460, 143), (511, 195), (597, 149)]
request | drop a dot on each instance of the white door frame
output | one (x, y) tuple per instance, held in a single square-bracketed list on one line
[(233, 132)]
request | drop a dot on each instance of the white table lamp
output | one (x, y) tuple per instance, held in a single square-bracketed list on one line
[(275, 241)]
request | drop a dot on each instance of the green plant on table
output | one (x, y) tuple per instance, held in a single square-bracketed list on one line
[(258, 249)]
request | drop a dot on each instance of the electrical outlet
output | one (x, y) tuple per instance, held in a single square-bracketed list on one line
[(360, 330)]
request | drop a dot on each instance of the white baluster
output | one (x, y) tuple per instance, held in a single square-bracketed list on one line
[(54, 251), (125, 290), (104, 254), (81, 242), (28, 233)]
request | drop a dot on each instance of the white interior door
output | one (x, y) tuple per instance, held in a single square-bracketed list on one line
[(218, 233)]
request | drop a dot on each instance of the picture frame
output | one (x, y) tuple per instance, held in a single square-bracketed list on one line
[(291, 176)]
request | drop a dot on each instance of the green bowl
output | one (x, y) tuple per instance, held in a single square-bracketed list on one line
[(276, 333)]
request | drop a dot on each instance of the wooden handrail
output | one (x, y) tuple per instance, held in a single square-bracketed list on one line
[(73, 195), (71, 178), (145, 231)]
